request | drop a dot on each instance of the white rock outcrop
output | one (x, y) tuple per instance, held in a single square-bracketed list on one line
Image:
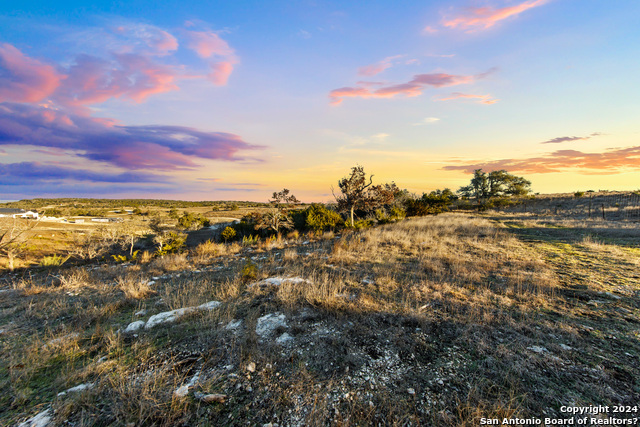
[(135, 326), (42, 419), (169, 316), (80, 387), (266, 325)]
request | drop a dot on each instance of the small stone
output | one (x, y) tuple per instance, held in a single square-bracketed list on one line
[(283, 339), (141, 313), (251, 367), (411, 391), (267, 324), (233, 325), (134, 326), (209, 305), (182, 391), (42, 419), (76, 389), (565, 347), (537, 349), (211, 398)]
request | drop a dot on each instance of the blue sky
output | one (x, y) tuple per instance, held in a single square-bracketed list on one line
[(235, 100)]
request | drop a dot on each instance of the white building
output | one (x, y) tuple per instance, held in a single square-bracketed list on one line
[(18, 213)]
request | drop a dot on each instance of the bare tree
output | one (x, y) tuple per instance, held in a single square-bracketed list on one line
[(93, 243), (13, 237), (276, 217), (358, 192)]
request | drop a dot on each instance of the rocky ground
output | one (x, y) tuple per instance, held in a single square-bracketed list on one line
[(433, 321)]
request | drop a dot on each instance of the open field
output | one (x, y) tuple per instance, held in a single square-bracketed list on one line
[(61, 235), (440, 320)]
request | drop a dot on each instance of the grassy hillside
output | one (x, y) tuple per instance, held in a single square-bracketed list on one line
[(432, 321)]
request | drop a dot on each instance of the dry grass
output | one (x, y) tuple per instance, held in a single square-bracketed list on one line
[(134, 286), (449, 307), (170, 262)]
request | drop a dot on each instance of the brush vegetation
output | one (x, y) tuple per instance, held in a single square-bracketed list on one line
[(436, 320)]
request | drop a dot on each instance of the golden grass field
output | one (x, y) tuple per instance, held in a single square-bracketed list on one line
[(439, 320)]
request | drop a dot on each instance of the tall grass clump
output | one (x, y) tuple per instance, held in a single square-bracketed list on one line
[(53, 260)]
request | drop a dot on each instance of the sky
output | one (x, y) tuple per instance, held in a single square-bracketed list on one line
[(212, 100)]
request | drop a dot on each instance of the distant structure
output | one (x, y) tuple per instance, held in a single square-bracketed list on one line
[(107, 219), (18, 213)]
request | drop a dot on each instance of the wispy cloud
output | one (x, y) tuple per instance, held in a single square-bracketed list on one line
[(483, 99), (91, 80), (429, 30), (135, 147), (144, 38), (482, 18), (127, 61), (208, 43), (611, 161), (24, 79), (562, 139), (427, 121), (413, 87), (378, 67), (222, 58), (19, 173), (45, 106), (304, 34)]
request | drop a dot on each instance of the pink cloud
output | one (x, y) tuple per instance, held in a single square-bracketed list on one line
[(220, 72), (93, 80), (373, 69), (336, 95), (134, 147), (143, 38), (442, 79), (482, 18), (407, 89), (25, 79), (164, 42), (207, 44), (483, 99), (412, 88), (613, 160), (132, 70)]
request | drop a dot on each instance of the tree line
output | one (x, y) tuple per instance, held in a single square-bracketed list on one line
[(360, 203)]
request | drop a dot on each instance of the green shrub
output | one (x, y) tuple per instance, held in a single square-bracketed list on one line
[(247, 224), (249, 271), (319, 218), (125, 258), (172, 242), (53, 261), (578, 194), (433, 203), (53, 212), (250, 240), (228, 233), (360, 224), (393, 214), (397, 213)]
